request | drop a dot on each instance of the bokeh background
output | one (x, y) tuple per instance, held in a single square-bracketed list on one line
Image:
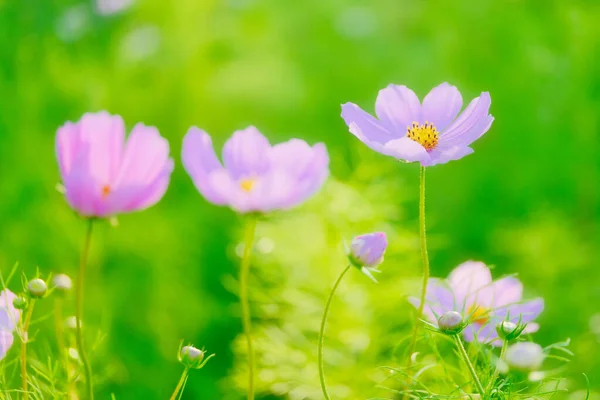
[(527, 201)]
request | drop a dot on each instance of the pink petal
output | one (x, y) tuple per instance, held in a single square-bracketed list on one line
[(467, 280), (399, 107), (441, 105), (245, 154)]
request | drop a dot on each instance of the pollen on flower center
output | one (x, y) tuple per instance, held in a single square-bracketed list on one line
[(479, 315), (106, 191), (247, 184), (426, 135)]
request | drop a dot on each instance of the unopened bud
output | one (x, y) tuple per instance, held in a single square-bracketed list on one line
[(192, 357), (20, 303), (62, 282), (509, 330), (37, 287), (525, 356), (451, 323), (71, 322)]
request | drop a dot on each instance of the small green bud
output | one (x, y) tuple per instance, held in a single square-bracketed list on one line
[(509, 330), (62, 283), (192, 357), (37, 287), (20, 303), (451, 323)]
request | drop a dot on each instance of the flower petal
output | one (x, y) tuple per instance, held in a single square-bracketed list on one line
[(399, 107), (438, 300), (6, 342), (245, 154), (365, 127), (443, 155), (200, 160), (504, 291), (470, 125), (467, 280), (525, 312), (408, 150), (441, 105), (145, 159)]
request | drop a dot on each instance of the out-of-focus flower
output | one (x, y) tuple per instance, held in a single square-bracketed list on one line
[(37, 287), (108, 7), (9, 317), (62, 282), (525, 356), (255, 176), (71, 322), (103, 173), (469, 289), (367, 251), (431, 132)]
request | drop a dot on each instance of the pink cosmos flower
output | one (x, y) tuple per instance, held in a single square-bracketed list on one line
[(366, 252), (255, 176), (103, 173), (431, 132), (470, 290), (9, 317)]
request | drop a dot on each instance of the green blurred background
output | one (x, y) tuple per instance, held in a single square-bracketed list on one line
[(527, 201)]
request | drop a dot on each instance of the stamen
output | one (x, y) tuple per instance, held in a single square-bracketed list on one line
[(247, 184), (106, 191), (426, 135), (479, 315)]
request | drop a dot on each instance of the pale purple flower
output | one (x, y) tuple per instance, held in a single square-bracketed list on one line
[(103, 173), (255, 176), (9, 317), (525, 356), (470, 290), (431, 132), (366, 252)]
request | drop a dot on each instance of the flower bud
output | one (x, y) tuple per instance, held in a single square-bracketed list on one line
[(62, 282), (37, 287), (451, 323), (525, 356), (71, 322), (192, 357), (367, 250), (20, 303), (509, 330)]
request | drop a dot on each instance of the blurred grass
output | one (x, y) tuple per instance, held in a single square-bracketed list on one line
[(527, 201)]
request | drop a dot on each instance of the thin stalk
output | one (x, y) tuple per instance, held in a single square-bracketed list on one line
[(465, 357), (60, 335), (246, 320), (497, 370), (425, 261), (180, 384), (24, 340), (79, 310), (322, 331)]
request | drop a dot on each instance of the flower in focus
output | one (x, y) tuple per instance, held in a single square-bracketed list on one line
[(470, 290), (367, 251), (255, 176), (9, 317), (431, 132), (103, 173), (525, 356)]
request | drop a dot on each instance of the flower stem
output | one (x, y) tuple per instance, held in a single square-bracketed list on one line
[(322, 331), (425, 260), (60, 335), (24, 340), (180, 384), (497, 370), (244, 272), (79, 310), (465, 357)]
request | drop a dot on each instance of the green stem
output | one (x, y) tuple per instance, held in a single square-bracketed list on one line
[(465, 357), (246, 320), (24, 340), (425, 260), (497, 370), (180, 384), (79, 310), (322, 331)]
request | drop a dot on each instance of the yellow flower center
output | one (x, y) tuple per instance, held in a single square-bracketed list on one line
[(106, 191), (479, 315), (426, 135), (247, 184)]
